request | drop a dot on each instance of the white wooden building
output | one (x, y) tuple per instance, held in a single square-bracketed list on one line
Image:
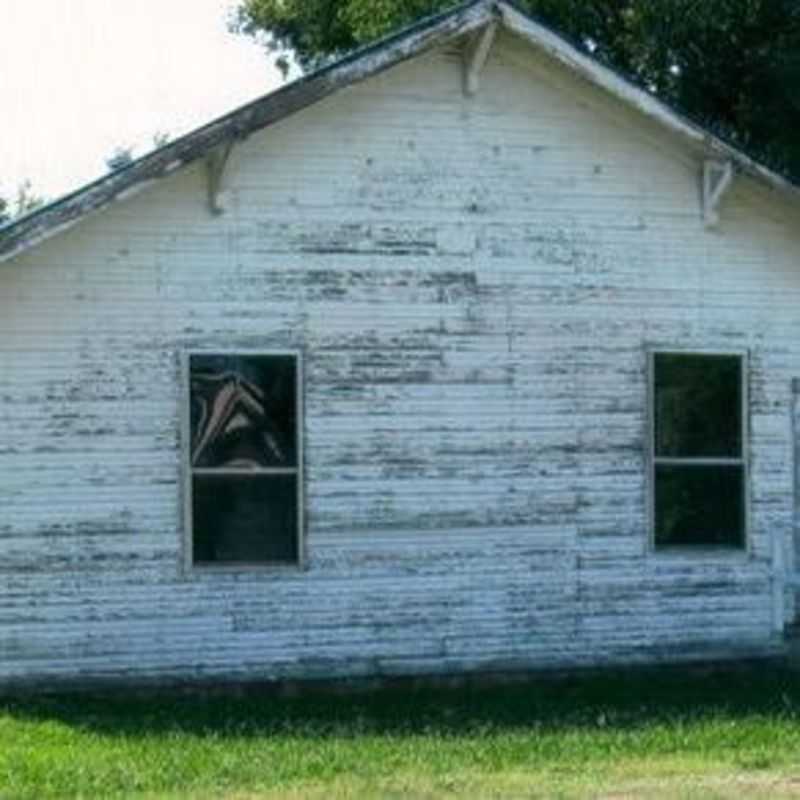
[(461, 354)]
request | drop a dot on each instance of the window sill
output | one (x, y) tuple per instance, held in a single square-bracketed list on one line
[(230, 571), (709, 552)]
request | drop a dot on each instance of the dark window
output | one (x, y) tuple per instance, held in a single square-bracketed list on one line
[(699, 470), (244, 459)]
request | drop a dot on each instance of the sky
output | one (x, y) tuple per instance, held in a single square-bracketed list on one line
[(80, 78)]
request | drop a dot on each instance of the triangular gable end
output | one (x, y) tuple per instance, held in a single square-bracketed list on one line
[(476, 22)]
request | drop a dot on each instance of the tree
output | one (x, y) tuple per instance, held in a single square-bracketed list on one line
[(161, 138), (120, 158), (734, 65), (24, 201), (123, 155)]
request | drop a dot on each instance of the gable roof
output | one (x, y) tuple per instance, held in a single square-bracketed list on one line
[(429, 32)]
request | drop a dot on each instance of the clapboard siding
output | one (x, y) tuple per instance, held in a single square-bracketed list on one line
[(474, 284)]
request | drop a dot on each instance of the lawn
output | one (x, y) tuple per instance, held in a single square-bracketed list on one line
[(643, 734)]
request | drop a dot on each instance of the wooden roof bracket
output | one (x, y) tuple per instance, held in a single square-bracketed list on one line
[(476, 54), (717, 179), (215, 162)]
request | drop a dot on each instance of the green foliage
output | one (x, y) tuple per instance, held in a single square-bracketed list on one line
[(732, 64), (161, 138), (121, 157), (24, 201), (651, 734)]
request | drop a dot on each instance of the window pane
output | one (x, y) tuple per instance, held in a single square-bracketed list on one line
[(698, 405), (244, 519), (699, 505), (243, 411)]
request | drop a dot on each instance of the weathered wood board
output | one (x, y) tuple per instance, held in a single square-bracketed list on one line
[(474, 282)]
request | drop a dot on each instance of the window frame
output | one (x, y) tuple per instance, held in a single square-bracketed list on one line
[(187, 488), (744, 549)]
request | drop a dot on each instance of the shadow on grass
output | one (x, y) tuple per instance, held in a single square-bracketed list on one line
[(618, 700)]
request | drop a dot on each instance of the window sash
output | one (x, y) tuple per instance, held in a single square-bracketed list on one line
[(190, 471), (699, 506), (245, 471), (741, 461), (700, 461)]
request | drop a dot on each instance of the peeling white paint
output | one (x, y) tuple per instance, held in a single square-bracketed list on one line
[(474, 283)]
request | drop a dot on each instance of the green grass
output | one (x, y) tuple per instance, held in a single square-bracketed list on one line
[(659, 734)]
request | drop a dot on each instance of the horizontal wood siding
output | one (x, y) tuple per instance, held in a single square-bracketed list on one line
[(474, 283)]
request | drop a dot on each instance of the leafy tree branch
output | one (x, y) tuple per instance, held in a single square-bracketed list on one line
[(733, 65)]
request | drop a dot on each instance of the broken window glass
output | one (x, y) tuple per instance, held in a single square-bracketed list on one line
[(243, 411), (243, 450)]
